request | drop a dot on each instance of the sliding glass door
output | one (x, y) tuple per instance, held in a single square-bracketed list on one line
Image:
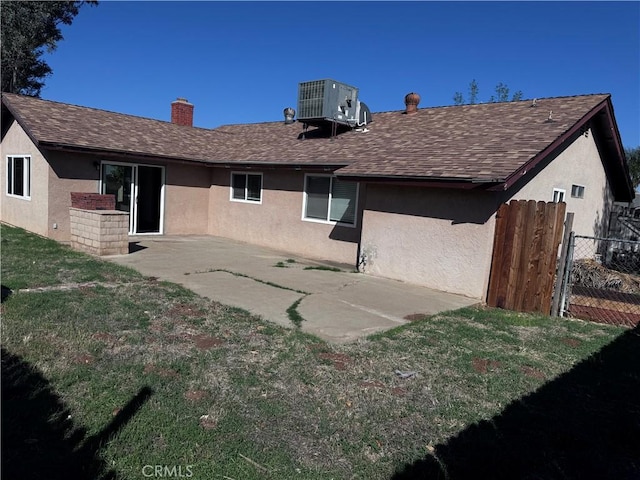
[(139, 190)]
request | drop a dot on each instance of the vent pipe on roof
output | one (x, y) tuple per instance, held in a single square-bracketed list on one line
[(289, 113), (182, 112), (411, 100)]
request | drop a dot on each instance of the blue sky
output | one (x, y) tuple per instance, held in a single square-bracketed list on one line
[(241, 62)]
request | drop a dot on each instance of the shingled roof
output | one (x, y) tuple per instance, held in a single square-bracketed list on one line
[(59, 125), (484, 143), (481, 143)]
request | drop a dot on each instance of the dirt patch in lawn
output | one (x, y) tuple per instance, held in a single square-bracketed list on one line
[(340, 360), (208, 422), (399, 391), (484, 365), (162, 372), (105, 337), (184, 310), (571, 342), (83, 359), (374, 384), (88, 291), (206, 342), (196, 395), (532, 372)]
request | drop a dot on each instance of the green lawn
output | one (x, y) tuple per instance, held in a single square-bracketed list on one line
[(126, 373)]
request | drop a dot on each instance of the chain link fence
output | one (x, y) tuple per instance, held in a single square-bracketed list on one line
[(604, 280)]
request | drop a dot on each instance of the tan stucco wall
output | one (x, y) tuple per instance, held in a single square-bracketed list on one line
[(186, 210), (439, 238), (277, 221), (578, 164), (186, 191), (28, 214), (68, 173)]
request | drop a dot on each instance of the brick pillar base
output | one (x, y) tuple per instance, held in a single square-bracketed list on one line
[(100, 232)]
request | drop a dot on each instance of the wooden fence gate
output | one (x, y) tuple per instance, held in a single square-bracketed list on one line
[(525, 252)]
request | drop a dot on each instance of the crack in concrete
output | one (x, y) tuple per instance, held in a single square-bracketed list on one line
[(265, 282), (392, 318)]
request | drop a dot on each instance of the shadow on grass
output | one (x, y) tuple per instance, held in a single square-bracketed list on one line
[(6, 293), (583, 424), (39, 439)]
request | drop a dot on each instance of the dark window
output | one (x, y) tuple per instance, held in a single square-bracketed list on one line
[(577, 191), (330, 200), (246, 187)]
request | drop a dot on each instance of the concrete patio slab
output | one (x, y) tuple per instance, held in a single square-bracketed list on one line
[(255, 297), (337, 306), (341, 321)]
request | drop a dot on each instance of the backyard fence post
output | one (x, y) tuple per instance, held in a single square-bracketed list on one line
[(559, 287), (567, 272)]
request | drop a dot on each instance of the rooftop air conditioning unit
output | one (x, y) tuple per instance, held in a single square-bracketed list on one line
[(323, 101)]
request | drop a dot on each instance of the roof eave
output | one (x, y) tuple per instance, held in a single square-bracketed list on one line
[(424, 181), (18, 118), (115, 153), (619, 151), (248, 164), (604, 106)]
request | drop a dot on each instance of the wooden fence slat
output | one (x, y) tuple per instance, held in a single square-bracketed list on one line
[(524, 278), (558, 225), (515, 230), (506, 252), (496, 260), (531, 298), (523, 267), (547, 269)]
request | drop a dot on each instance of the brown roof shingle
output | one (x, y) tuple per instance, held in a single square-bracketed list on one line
[(482, 142), (63, 125)]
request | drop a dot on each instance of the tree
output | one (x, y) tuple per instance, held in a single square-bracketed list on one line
[(501, 89), (633, 160), (473, 91), (28, 30), (502, 94)]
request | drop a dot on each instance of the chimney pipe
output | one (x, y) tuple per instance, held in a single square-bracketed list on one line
[(411, 100), (182, 112)]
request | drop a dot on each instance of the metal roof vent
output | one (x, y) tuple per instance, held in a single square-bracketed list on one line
[(411, 100), (289, 113)]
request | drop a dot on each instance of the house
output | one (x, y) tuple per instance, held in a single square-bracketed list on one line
[(412, 196)]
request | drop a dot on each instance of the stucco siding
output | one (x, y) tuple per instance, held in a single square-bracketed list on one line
[(438, 238), (186, 210), (578, 164), (30, 214), (277, 221), (68, 172)]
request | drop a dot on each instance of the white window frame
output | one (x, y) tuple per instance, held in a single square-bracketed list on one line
[(26, 181), (561, 193), (327, 222), (133, 214), (580, 187), (246, 200)]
